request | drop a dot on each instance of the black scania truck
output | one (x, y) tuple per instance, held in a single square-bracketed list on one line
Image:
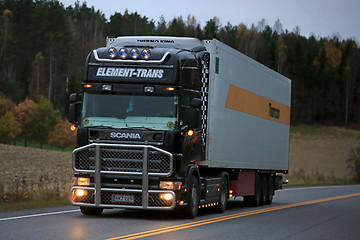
[(177, 123)]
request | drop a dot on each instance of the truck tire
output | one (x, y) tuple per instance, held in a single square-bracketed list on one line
[(264, 189), (254, 200), (91, 211), (221, 207), (270, 195), (192, 199)]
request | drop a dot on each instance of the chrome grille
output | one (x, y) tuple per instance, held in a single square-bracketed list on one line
[(123, 159), (85, 160)]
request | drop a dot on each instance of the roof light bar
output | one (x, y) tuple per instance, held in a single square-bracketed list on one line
[(146, 54), (134, 53), (123, 53), (112, 52), (126, 60)]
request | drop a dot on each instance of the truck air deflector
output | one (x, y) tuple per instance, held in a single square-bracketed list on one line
[(161, 61)]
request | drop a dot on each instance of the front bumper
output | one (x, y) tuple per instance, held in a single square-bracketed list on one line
[(108, 196), (126, 160)]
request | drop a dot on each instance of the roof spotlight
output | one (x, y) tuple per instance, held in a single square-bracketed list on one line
[(123, 53), (112, 52), (134, 53), (146, 54)]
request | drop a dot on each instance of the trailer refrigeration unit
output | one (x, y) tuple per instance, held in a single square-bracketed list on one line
[(177, 123)]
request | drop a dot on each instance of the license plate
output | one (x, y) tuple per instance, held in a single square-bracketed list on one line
[(118, 198)]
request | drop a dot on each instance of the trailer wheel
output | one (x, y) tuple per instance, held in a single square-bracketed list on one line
[(91, 211), (193, 199), (221, 207), (270, 195), (264, 189), (254, 200)]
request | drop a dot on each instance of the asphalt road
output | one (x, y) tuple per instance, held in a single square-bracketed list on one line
[(296, 213)]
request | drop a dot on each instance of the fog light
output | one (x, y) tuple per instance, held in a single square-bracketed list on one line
[(166, 196), (80, 193)]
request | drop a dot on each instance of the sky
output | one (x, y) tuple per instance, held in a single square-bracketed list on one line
[(320, 18)]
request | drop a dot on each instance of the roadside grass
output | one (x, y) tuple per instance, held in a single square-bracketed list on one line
[(45, 146), (32, 177), (299, 177), (318, 155), (315, 131)]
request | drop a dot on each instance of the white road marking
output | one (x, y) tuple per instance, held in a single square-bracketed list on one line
[(316, 187), (38, 215)]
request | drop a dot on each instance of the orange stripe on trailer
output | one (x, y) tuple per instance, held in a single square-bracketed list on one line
[(247, 102)]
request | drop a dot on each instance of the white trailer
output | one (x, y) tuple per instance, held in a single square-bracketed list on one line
[(248, 112)]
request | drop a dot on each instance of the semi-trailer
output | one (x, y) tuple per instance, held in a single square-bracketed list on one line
[(177, 123)]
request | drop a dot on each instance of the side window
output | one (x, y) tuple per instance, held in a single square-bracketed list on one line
[(184, 102)]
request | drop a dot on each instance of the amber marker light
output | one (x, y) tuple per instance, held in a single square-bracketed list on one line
[(73, 128), (190, 132), (170, 88), (87, 86)]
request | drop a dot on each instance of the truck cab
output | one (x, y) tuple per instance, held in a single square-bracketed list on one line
[(139, 126)]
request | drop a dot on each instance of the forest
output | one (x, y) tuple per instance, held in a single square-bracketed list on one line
[(43, 47)]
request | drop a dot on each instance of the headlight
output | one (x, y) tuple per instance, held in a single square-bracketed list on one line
[(81, 181), (168, 185)]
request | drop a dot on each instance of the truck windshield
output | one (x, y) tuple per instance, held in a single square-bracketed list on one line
[(130, 111)]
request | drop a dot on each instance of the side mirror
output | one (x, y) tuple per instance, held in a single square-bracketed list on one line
[(72, 97), (72, 113), (72, 116), (194, 113)]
